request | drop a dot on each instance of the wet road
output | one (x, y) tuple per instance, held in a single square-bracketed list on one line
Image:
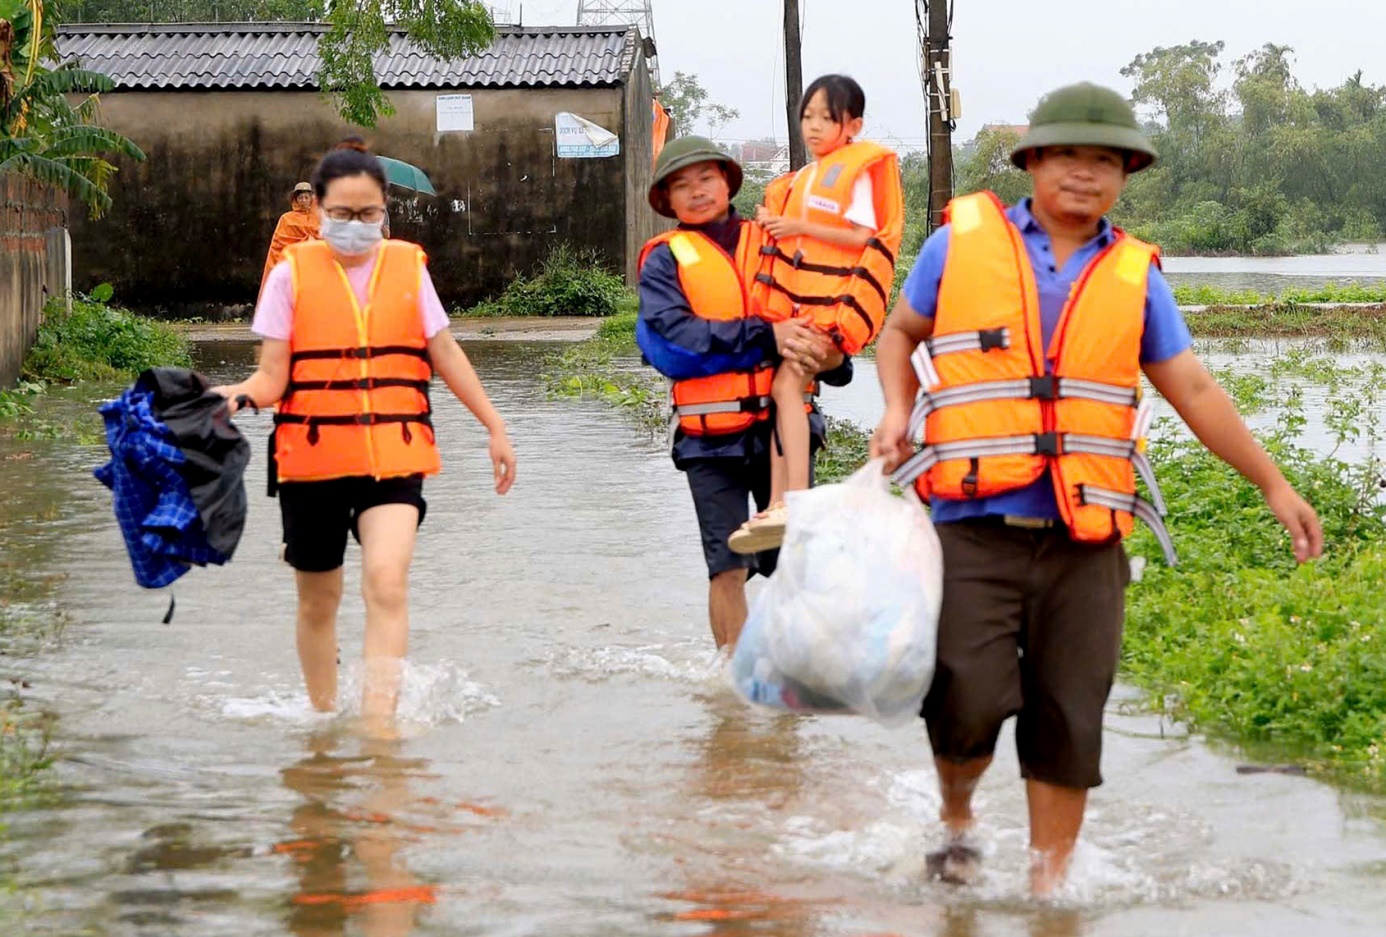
[(570, 763)]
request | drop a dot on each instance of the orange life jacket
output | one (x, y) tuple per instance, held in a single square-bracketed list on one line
[(357, 399), (995, 419), (714, 283), (844, 289)]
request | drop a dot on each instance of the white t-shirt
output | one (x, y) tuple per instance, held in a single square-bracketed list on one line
[(862, 211)]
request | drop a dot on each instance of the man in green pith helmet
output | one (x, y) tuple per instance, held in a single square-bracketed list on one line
[(698, 328), (1038, 320)]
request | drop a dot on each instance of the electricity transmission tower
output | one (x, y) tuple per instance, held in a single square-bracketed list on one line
[(623, 13)]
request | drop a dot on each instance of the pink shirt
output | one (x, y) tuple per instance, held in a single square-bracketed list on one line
[(274, 314)]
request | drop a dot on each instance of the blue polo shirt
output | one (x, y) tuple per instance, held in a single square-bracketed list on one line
[(1165, 336)]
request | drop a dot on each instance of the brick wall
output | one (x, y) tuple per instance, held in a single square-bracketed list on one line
[(34, 264)]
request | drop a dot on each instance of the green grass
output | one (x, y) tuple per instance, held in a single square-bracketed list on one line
[(24, 755), (1344, 326), (1355, 293), (566, 283), (591, 369)]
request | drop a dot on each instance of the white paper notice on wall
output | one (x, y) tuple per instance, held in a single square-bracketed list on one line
[(579, 138), (455, 113)]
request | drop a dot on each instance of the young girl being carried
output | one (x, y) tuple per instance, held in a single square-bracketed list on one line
[(835, 228)]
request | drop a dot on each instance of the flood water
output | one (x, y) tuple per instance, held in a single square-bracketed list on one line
[(570, 764), (1353, 263)]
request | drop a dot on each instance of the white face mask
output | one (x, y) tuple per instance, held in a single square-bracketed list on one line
[(350, 238)]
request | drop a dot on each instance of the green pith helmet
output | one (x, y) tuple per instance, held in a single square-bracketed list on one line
[(1086, 115), (680, 154)]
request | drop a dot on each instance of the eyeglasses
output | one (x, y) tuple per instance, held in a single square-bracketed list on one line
[(369, 215)]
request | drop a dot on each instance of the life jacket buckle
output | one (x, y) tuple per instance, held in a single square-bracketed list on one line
[(992, 339), (765, 278), (357, 353), (797, 260), (1047, 444), (1044, 388)]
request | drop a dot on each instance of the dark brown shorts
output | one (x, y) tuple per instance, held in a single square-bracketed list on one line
[(1030, 627)]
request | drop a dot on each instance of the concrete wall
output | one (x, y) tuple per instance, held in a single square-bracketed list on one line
[(190, 226), (641, 221), (33, 265)]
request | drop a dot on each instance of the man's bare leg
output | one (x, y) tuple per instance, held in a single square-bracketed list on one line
[(726, 606), (957, 862), (1056, 817)]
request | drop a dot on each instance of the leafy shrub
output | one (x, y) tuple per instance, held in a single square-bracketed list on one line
[(100, 342), (566, 283)]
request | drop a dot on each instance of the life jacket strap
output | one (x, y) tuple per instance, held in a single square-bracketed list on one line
[(1032, 388), (929, 456), (1130, 449), (359, 383), (353, 419), (1131, 504), (799, 263), (980, 340), (878, 244), (744, 405), (923, 364), (845, 299), (365, 352), (1046, 444)]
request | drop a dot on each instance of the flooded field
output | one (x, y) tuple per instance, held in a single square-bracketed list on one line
[(570, 764)]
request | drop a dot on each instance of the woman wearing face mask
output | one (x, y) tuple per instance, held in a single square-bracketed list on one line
[(352, 331)]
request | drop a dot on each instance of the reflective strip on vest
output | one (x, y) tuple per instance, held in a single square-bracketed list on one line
[(746, 405), (1031, 388), (1047, 444), (924, 369), (982, 340), (1116, 501)]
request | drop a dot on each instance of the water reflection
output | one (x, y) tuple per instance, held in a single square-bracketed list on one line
[(972, 922), (349, 834), (747, 770)]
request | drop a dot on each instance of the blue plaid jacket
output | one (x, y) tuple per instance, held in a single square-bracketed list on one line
[(162, 529)]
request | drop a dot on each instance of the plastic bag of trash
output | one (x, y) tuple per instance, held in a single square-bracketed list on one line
[(849, 621)]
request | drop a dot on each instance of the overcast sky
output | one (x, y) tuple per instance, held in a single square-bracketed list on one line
[(1008, 51)]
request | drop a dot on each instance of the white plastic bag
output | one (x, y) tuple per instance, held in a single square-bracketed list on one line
[(849, 621)]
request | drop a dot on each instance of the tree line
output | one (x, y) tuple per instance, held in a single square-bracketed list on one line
[(1260, 166)]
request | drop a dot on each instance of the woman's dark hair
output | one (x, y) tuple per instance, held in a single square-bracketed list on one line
[(351, 157), (846, 100)]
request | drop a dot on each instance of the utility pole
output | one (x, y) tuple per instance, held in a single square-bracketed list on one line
[(936, 65), (793, 83)]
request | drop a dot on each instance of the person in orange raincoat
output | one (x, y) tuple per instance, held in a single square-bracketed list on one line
[(298, 224)]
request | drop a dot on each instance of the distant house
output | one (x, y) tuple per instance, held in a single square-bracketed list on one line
[(231, 117)]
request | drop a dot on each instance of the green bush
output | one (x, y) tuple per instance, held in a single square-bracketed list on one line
[(99, 342), (1239, 640), (566, 283)]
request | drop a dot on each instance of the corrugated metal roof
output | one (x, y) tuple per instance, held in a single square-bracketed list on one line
[(284, 55)]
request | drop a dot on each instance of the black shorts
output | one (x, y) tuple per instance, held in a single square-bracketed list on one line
[(319, 515), (722, 492)]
